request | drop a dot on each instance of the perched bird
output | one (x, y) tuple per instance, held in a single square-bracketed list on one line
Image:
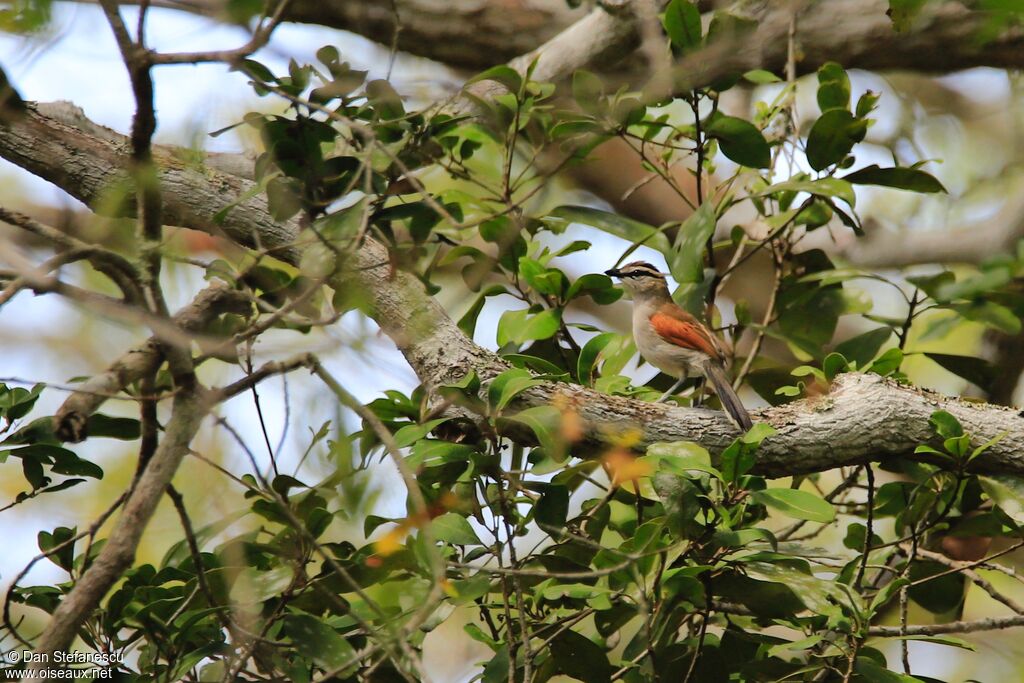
[(674, 341)]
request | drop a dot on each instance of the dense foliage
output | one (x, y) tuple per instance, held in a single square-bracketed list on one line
[(562, 558)]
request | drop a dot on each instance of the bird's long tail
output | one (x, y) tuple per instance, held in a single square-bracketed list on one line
[(730, 401)]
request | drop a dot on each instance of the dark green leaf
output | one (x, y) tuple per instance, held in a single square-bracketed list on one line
[(945, 424), (505, 75), (977, 371), (824, 187), (687, 263), (552, 509), (578, 657), (833, 87), (939, 595), (1006, 491), (586, 364), (63, 558), (797, 504), (834, 364), (832, 137), (863, 348), (682, 24), (467, 323), (911, 179), (990, 313), (315, 640), (454, 528), (125, 428), (740, 140), (508, 385)]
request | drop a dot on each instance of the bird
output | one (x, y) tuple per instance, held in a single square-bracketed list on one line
[(674, 341)]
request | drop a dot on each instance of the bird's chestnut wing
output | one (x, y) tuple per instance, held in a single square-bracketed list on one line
[(688, 334)]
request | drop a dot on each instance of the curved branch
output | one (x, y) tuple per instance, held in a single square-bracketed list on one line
[(476, 34), (71, 418), (864, 417), (119, 552)]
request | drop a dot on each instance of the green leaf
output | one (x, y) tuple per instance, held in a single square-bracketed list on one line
[(552, 509), (578, 657), (833, 87), (934, 588), (743, 537), (508, 385), (596, 285), (318, 642), (590, 354), (870, 670), (883, 596), (687, 263), (499, 668), (945, 424), (977, 371), (797, 504), (410, 434), (63, 558), (761, 77), (888, 363), (736, 460), (125, 428), (505, 75), (834, 364), (467, 323), (254, 586), (681, 457), (903, 12), (1006, 491), (758, 433), (825, 187), (544, 421), (863, 348), (681, 499), (521, 326), (454, 528), (990, 313), (613, 224), (739, 140), (257, 70), (386, 102), (911, 179), (832, 137), (817, 594), (371, 523), (682, 24), (587, 89), (939, 640)]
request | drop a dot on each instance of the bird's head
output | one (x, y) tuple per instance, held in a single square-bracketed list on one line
[(640, 279)]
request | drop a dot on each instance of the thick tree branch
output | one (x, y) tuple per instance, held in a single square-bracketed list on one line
[(863, 418), (476, 34), (858, 34), (70, 421), (471, 34)]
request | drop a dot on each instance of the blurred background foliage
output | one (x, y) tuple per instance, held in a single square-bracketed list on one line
[(950, 259)]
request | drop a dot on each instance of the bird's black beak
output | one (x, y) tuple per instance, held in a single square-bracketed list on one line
[(613, 272)]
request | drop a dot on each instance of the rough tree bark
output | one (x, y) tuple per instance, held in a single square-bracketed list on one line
[(476, 34), (863, 418)]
